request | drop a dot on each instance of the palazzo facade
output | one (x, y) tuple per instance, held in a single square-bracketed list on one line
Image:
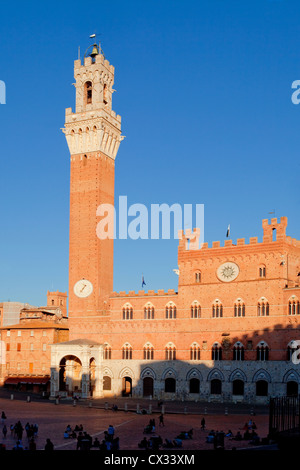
[(227, 334)]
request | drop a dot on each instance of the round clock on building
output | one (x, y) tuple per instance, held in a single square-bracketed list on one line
[(83, 288), (227, 272)]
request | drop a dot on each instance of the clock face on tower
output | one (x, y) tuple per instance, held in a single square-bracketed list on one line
[(83, 288), (227, 272)]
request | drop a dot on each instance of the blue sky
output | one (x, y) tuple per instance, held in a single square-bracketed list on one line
[(204, 91)]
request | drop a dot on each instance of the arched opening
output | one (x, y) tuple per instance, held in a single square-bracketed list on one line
[(292, 388), (92, 376), (126, 387), (70, 374), (216, 387), (170, 385), (238, 387), (194, 385), (88, 92), (261, 388), (148, 386)]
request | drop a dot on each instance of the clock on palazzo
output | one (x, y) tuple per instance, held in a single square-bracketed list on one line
[(228, 271), (83, 288)]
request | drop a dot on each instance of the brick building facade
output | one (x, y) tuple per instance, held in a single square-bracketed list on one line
[(227, 334)]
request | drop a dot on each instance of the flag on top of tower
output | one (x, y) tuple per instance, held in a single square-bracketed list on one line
[(143, 282), (228, 231)]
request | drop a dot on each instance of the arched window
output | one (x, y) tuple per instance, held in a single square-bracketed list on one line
[(237, 387), (216, 387), (106, 382), (262, 271), (107, 352), (170, 385), (195, 352), (294, 306), (262, 352), (216, 352), (292, 389), (170, 352), (127, 312), (263, 308), (217, 309), (238, 352), (148, 352), (239, 308), (170, 310), (105, 93), (198, 276), (149, 312), (127, 351), (88, 92), (195, 310), (261, 388), (194, 386)]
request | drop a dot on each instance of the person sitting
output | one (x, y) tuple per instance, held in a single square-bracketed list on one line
[(148, 429), (168, 443), (186, 434), (177, 442), (229, 433), (238, 436), (96, 443), (66, 434), (255, 440)]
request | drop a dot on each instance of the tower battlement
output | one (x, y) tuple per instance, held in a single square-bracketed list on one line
[(190, 240), (142, 293)]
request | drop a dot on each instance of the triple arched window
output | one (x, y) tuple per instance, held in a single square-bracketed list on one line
[(127, 312), (127, 351), (171, 310), (170, 352), (238, 352), (294, 306), (216, 352), (217, 309), (148, 352), (262, 351), (239, 308), (195, 352), (195, 310), (149, 312), (263, 308)]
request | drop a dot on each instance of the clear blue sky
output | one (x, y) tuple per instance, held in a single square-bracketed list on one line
[(204, 91)]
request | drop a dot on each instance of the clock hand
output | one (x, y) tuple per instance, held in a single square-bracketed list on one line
[(83, 288)]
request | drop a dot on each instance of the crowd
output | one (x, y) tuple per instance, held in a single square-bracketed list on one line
[(17, 431)]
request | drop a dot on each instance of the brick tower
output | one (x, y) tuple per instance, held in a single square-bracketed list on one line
[(93, 135)]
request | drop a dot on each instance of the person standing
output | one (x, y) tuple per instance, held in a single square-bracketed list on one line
[(3, 417), (49, 445), (4, 431), (161, 420), (203, 423)]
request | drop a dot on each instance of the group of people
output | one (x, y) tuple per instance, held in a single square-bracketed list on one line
[(72, 433), (17, 433), (217, 437), (109, 443), (155, 441)]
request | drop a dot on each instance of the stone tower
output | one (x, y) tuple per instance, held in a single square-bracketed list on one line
[(93, 134)]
